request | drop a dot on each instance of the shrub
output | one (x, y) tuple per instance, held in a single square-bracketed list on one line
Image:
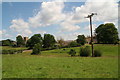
[(97, 53), (8, 51), (12, 51), (64, 49), (85, 51), (74, 44), (36, 49), (4, 51), (72, 52)]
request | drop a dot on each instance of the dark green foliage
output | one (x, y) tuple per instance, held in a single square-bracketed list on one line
[(11, 51), (20, 41), (5, 52), (97, 53), (107, 33), (8, 42), (48, 41), (36, 38), (72, 52), (74, 44), (81, 39), (64, 49), (85, 52), (36, 49)]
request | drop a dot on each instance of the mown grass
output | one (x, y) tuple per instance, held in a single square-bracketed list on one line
[(58, 64)]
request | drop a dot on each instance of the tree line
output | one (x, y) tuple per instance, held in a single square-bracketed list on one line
[(104, 33)]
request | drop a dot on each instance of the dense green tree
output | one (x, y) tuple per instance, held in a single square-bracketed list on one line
[(20, 41), (37, 49), (81, 39), (48, 41), (107, 33), (36, 38), (8, 42)]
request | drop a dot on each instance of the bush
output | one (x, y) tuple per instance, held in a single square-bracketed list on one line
[(85, 52), (64, 49), (97, 53), (8, 51), (74, 44), (4, 51), (12, 51), (72, 52), (36, 49)]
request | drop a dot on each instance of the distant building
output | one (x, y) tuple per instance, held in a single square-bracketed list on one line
[(88, 40), (25, 39), (64, 43), (68, 42)]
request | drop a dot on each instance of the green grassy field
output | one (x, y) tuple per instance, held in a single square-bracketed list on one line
[(58, 64)]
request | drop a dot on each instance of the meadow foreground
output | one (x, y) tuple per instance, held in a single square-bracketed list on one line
[(58, 64)]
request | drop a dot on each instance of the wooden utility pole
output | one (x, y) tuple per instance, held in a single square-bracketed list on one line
[(90, 16)]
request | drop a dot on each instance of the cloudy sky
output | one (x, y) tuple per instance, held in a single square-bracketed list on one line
[(62, 19)]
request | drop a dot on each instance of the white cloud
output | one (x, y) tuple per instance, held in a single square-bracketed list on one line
[(93, 27), (68, 26), (71, 36), (50, 13), (21, 27), (102, 0), (2, 32), (27, 32), (106, 10), (17, 24), (7, 36), (41, 32)]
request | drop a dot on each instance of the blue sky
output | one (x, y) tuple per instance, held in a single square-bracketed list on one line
[(17, 10), (28, 18)]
